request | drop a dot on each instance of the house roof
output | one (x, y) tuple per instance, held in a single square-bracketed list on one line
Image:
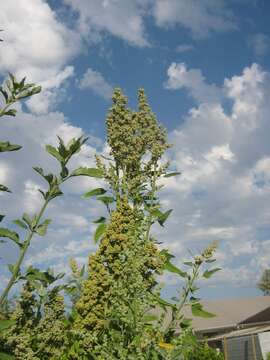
[(229, 312), (242, 332)]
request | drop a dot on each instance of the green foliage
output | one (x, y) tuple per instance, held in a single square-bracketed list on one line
[(36, 224), (116, 309), (204, 352), (264, 282), (13, 91)]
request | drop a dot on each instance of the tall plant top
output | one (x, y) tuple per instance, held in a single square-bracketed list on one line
[(137, 143)]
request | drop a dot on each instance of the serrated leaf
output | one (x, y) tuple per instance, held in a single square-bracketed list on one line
[(102, 219), (106, 199), (42, 229), (94, 192), (172, 174), (54, 152), (197, 310), (208, 273), (20, 223), (99, 232), (91, 172)]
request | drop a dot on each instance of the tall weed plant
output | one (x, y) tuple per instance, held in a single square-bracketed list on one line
[(117, 311)]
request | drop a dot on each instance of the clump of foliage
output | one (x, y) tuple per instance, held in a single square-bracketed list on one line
[(264, 282), (204, 352), (117, 311)]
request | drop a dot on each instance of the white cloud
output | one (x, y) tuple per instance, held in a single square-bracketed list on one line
[(38, 46), (120, 18), (95, 81), (199, 17), (259, 43), (71, 229), (223, 192), (180, 77)]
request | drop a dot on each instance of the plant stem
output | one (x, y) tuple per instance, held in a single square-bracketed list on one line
[(3, 110), (23, 251)]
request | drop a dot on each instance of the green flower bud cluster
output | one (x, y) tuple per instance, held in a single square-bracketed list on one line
[(137, 143), (121, 276), (39, 331)]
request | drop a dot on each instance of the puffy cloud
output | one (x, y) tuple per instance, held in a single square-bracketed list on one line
[(199, 17), (223, 192), (95, 81), (120, 18), (38, 46), (180, 77), (71, 229)]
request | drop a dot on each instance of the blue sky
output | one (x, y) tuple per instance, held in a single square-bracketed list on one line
[(205, 68)]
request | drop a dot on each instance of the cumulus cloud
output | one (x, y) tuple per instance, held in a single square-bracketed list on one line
[(223, 192), (37, 45), (201, 18), (70, 232), (180, 77), (95, 81), (121, 18)]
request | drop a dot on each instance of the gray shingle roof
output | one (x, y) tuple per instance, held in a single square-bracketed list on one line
[(229, 312)]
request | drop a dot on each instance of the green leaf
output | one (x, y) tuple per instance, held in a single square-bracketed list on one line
[(172, 174), (160, 216), (49, 177), (99, 232), (54, 152), (4, 188), (169, 266), (26, 218), (95, 192), (6, 146), (188, 263), (84, 171), (11, 268), (150, 318), (106, 199), (42, 229), (11, 112), (163, 217), (6, 356), (197, 310), (185, 323), (174, 269), (102, 219), (12, 235), (6, 324), (20, 223), (208, 273)]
